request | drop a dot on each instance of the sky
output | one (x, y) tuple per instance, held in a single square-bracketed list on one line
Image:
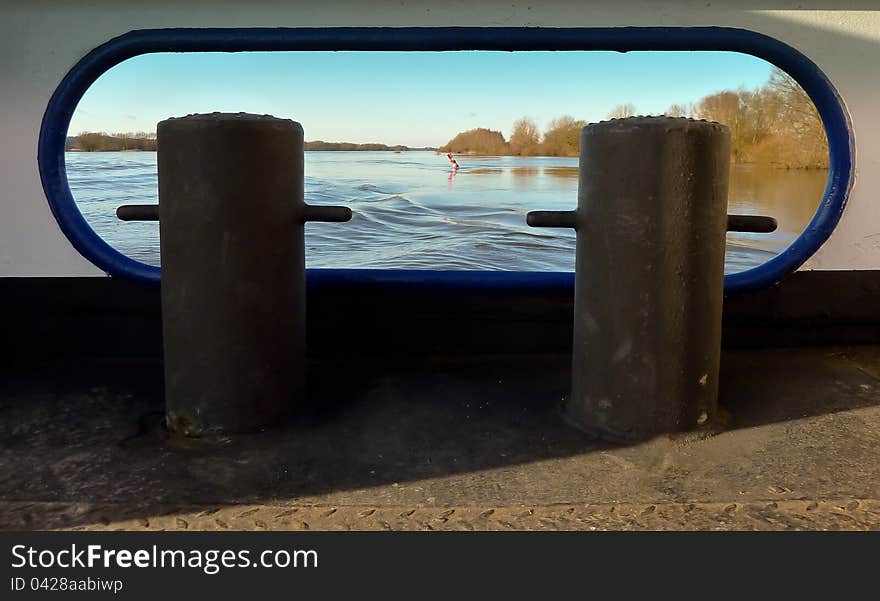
[(410, 98)]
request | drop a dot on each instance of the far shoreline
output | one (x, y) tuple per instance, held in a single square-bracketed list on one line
[(484, 156)]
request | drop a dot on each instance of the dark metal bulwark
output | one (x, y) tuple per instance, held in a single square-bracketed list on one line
[(651, 222), (233, 269)]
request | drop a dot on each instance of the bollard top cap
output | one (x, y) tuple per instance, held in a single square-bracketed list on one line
[(667, 123), (229, 119)]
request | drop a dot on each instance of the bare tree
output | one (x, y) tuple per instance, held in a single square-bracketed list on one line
[(627, 109), (678, 110), (775, 124), (562, 137), (797, 120), (524, 139)]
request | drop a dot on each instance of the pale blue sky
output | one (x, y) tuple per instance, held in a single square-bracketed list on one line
[(412, 98)]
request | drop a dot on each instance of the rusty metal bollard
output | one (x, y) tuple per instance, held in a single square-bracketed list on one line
[(651, 222), (232, 214)]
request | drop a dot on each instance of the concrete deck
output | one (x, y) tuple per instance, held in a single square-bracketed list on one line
[(450, 445)]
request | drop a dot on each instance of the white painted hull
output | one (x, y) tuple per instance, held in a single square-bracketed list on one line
[(42, 41)]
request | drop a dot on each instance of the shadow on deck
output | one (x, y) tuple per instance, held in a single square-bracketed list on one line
[(82, 445)]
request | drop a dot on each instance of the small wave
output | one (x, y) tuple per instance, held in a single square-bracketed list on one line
[(561, 235), (468, 222), (394, 198), (377, 189)]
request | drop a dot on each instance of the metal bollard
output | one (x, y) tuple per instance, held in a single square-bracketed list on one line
[(232, 214), (651, 221)]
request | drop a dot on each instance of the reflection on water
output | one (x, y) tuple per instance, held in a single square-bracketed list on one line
[(412, 212), (569, 172)]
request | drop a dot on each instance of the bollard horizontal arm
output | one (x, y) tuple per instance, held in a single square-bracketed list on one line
[(312, 213), (327, 214), (551, 218), (735, 223), (757, 224), (138, 212)]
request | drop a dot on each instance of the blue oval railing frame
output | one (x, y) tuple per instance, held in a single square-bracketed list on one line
[(60, 109)]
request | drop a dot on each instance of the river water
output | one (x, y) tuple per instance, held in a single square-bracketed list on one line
[(411, 212)]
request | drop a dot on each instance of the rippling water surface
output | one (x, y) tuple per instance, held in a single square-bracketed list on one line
[(410, 212)]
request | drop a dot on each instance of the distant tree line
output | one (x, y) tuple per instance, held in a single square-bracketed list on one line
[(560, 139), (775, 124), (322, 145), (102, 141), (477, 141)]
